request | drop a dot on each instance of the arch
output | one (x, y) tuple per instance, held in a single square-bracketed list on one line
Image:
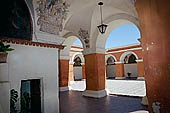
[(113, 22), (79, 54), (108, 56), (122, 57), (70, 38), (77, 61)]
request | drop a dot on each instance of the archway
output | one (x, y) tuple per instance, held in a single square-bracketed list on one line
[(67, 61), (117, 52), (110, 67), (77, 68), (130, 65)]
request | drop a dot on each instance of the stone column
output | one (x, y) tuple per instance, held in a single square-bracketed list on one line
[(63, 74), (95, 75), (140, 68), (119, 70), (154, 20)]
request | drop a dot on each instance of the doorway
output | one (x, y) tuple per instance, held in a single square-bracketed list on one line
[(31, 96)]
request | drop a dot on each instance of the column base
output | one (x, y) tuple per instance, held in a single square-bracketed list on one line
[(66, 88), (145, 101), (120, 78), (141, 78), (95, 94)]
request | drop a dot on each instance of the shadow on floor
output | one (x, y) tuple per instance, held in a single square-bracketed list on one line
[(74, 102)]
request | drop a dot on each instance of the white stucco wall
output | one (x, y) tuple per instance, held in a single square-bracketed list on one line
[(4, 97), (111, 71), (132, 68), (77, 72), (29, 62)]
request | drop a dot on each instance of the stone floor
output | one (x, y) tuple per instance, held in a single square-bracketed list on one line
[(74, 102), (118, 87)]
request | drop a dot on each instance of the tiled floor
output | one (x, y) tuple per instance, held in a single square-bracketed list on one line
[(119, 87), (74, 102)]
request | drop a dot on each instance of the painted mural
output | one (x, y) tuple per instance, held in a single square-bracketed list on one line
[(84, 35), (15, 21), (51, 14)]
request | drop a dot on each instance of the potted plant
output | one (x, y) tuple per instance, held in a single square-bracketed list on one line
[(129, 73), (3, 52)]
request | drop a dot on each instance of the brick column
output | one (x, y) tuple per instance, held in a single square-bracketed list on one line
[(95, 75), (63, 74), (154, 20), (119, 70), (140, 68), (83, 71)]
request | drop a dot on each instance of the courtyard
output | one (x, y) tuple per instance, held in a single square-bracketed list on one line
[(116, 87)]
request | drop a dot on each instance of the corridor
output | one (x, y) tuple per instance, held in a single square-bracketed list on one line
[(74, 102)]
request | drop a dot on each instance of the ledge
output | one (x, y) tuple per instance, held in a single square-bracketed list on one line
[(30, 43)]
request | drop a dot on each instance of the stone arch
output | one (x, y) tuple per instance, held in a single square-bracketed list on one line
[(130, 69), (69, 40), (111, 68), (108, 56), (80, 55), (122, 57), (113, 22)]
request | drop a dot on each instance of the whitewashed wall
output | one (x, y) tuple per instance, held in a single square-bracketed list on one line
[(132, 68), (110, 70), (29, 62), (77, 72)]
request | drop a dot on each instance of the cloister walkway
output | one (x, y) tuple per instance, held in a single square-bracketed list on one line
[(73, 102)]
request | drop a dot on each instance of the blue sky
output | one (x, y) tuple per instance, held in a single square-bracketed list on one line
[(122, 35)]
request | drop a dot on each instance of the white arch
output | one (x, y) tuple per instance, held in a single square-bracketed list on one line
[(68, 42), (77, 54), (113, 22), (122, 57), (109, 55)]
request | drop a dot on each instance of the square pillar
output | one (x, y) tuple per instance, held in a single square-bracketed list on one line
[(63, 74), (119, 70), (95, 75), (154, 20), (83, 71), (140, 68)]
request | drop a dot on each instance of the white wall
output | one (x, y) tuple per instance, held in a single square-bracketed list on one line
[(29, 62), (132, 68), (77, 72), (110, 70), (4, 97)]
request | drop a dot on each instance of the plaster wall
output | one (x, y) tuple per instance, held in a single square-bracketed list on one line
[(78, 73), (29, 62), (132, 68), (111, 71), (4, 97)]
